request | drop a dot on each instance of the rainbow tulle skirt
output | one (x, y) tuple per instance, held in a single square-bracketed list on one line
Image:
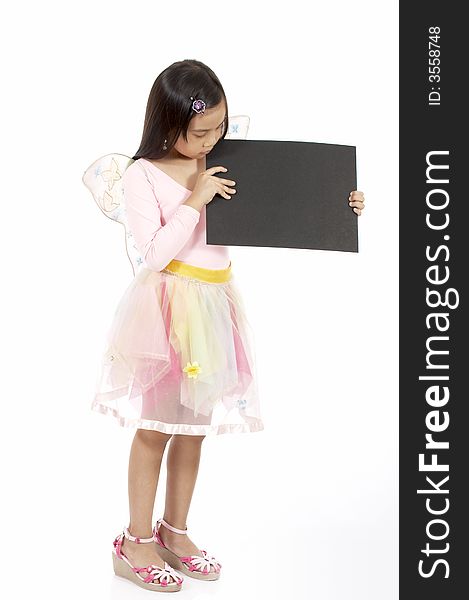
[(179, 355)]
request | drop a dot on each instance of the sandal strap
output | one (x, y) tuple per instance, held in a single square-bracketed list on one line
[(136, 539), (194, 562), (153, 572), (156, 573), (201, 563), (166, 524)]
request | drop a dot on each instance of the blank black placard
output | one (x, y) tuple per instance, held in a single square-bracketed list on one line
[(289, 195)]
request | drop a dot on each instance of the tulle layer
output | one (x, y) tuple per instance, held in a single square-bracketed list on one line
[(179, 357)]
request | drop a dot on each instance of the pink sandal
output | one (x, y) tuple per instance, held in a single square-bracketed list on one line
[(194, 565), (155, 578)]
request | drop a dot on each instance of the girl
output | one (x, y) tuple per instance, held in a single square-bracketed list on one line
[(180, 360)]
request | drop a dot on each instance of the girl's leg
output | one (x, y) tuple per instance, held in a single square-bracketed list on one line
[(144, 469), (182, 469)]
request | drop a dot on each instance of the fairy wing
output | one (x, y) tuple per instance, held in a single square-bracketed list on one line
[(238, 126), (103, 178)]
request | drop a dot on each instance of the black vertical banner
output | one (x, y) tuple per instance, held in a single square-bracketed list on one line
[(434, 268)]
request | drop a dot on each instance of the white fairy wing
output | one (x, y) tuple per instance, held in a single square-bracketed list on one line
[(238, 126), (103, 178)]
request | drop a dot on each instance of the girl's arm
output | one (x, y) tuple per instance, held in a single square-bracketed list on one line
[(158, 244)]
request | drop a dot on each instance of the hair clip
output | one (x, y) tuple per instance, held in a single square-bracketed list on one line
[(198, 105)]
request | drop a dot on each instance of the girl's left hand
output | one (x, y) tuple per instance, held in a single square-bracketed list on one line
[(357, 200)]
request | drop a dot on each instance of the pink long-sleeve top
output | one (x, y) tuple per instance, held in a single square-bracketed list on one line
[(163, 227)]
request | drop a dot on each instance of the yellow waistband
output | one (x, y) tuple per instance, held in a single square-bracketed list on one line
[(209, 275)]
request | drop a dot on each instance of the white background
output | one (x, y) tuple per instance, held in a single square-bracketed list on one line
[(308, 507)]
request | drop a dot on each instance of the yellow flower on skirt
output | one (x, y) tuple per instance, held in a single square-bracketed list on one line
[(192, 369)]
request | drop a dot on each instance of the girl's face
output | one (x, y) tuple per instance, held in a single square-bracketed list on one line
[(204, 131)]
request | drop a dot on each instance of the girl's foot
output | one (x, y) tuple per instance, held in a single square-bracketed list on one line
[(142, 554), (179, 544)]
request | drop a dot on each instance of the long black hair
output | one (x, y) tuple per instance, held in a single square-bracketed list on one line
[(169, 107)]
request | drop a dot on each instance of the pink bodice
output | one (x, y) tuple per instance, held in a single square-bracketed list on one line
[(163, 227)]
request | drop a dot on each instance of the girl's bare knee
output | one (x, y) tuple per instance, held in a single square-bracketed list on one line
[(149, 436)]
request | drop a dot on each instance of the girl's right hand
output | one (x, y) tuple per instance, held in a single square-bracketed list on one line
[(208, 185)]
